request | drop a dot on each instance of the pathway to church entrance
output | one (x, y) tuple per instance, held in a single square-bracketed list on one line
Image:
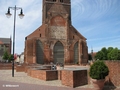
[(23, 82)]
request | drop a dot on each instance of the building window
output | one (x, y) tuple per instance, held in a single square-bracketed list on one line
[(25, 38), (54, 0), (2, 45), (6, 46), (61, 0), (73, 37), (40, 35)]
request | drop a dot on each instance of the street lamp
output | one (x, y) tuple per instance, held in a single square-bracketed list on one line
[(21, 15)]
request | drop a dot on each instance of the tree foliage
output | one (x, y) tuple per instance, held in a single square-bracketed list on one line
[(98, 70), (89, 57), (108, 54), (99, 55), (7, 56), (10, 57)]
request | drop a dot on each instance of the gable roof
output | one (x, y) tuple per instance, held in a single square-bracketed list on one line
[(73, 30), (1, 42), (5, 40)]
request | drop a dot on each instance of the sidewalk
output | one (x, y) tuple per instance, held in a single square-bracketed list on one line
[(4, 85), (23, 82)]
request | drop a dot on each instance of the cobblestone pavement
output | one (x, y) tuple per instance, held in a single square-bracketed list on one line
[(23, 82)]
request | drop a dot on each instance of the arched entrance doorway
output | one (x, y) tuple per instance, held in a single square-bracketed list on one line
[(76, 53), (58, 53), (39, 52)]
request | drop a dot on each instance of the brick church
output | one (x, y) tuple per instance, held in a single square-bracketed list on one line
[(56, 40)]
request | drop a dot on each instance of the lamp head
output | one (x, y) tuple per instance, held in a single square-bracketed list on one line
[(21, 15), (8, 14)]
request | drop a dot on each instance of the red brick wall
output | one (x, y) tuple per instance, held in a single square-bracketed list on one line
[(28, 72), (58, 20), (59, 74), (43, 74), (114, 74), (113, 79), (26, 68), (74, 78), (51, 75), (20, 68), (67, 78), (38, 31), (6, 66), (80, 78), (38, 74)]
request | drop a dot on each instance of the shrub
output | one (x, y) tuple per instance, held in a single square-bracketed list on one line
[(5, 55), (98, 70)]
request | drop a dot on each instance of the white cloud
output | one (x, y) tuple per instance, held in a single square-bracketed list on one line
[(97, 20), (78, 11), (32, 20)]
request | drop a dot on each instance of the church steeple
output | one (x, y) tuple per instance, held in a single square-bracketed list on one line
[(92, 52), (60, 5)]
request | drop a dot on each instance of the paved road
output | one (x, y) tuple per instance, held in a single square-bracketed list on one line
[(5, 85)]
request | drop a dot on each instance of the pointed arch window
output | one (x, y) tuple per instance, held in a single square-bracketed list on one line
[(39, 52), (76, 56), (58, 52)]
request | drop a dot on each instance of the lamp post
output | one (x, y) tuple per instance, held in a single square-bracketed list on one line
[(8, 14)]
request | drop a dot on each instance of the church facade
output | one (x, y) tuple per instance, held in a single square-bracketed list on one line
[(56, 40)]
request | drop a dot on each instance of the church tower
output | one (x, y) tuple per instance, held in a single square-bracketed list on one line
[(54, 7), (56, 40)]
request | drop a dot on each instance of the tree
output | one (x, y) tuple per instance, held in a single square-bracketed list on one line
[(89, 56), (10, 57), (118, 54), (104, 51), (109, 49), (114, 55), (99, 55), (5, 55), (108, 54)]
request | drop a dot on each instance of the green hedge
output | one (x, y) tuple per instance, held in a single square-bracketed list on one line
[(98, 70)]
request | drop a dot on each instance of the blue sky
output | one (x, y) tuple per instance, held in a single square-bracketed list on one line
[(97, 20)]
